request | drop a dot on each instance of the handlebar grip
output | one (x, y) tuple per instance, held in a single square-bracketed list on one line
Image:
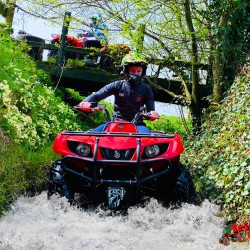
[(150, 117), (90, 106)]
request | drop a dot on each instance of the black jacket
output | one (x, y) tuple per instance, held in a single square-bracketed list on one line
[(128, 100)]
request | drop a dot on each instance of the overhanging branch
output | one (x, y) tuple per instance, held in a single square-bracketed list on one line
[(161, 88)]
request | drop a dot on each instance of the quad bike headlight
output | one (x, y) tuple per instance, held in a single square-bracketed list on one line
[(83, 149), (152, 150)]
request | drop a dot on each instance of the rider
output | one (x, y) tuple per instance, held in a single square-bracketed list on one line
[(100, 28), (130, 94)]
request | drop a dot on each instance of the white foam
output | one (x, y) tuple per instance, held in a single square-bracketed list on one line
[(38, 223)]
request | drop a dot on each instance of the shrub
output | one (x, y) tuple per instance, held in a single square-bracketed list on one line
[(221, 157), (30, 111)]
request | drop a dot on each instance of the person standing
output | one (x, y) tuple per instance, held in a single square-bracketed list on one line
[(100, 29)]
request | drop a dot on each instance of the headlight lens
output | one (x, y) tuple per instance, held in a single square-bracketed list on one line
[(152, 150), (83, 149)]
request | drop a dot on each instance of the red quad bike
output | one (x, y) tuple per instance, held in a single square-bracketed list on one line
[(119, 166), (70, 41), (83, 40)]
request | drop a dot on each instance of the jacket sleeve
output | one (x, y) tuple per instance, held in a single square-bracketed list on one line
[(103, 93)]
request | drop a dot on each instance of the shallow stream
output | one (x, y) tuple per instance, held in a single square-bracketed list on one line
[(38, 223)]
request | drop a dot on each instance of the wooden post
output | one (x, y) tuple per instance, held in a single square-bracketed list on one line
[(64, 34)]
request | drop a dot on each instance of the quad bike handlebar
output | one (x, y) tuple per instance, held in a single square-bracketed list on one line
[(152, 115), (90, 107), (93, 107)]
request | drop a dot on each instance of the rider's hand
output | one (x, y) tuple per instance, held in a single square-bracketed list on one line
[(84, 104), (154, 115)]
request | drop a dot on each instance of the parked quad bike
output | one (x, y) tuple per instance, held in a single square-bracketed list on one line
[(73, 41), (119, 166), (88, 40)]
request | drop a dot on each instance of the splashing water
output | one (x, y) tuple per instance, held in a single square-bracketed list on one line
[(38, 223)]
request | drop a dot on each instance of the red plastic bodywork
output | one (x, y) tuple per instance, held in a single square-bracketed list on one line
[(108, 139), (71, 40), (78, 42)]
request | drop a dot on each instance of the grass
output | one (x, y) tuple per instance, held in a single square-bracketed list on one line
[(22, 170)]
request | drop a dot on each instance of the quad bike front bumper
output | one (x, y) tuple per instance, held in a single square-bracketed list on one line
[(137, 180)]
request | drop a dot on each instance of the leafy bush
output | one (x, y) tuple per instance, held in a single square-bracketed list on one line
[(75, 63), (30, 111), (221, 157), (31, 116), (171, 125), (21, 170)]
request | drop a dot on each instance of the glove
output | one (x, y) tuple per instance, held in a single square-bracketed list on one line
[(84, 104), (154, 115)]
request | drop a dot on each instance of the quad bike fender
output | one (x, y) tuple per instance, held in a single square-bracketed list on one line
[(61, 147), (175, 147), (56, 37)]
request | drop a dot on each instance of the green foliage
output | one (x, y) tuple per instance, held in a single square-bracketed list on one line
[(221, 157), (30, 111), (52, 60), (116, 53), (171, 125), (74, 94), (32, 114), (21, 170), (75, 63), (232, 37)]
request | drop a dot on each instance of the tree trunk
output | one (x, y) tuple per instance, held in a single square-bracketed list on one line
[(195, 102), (218, 62), (218, 78), (7, 10)]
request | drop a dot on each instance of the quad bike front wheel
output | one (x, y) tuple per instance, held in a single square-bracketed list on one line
[(185, 190), (57, 182), (53, 53), (179, 186)]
